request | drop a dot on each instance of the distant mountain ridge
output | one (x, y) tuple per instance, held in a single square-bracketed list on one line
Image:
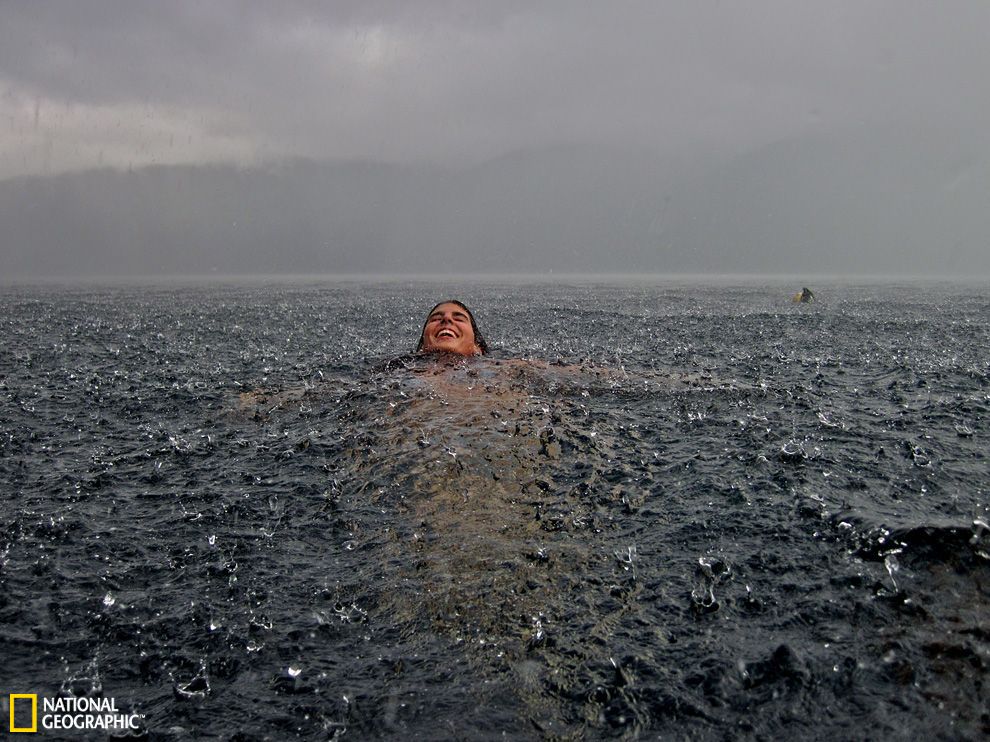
[(832, 206)]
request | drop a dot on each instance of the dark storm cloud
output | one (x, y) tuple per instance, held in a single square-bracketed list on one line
[(373, 136), (194, 52), (449, 80)]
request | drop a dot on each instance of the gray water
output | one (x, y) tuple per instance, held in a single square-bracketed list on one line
[(691, 512)]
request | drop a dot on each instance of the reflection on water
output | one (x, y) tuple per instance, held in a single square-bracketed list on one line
[(489, 539)]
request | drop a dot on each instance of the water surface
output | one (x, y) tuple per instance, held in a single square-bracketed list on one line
[(691, 512)]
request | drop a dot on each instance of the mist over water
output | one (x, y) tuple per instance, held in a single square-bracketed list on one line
[(697, 512)]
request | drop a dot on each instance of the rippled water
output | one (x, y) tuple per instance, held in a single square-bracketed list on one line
[(693, 512)]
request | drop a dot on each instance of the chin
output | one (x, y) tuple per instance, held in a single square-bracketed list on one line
[(453, 349)]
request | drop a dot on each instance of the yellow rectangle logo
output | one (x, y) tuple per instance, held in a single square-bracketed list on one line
[(33, 697)]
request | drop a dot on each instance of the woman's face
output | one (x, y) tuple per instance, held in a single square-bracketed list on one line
[(448, 328)]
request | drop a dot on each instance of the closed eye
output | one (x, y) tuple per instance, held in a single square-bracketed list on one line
[(459, 316)]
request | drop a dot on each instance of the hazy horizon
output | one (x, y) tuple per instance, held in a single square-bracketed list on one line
[(784, 280)]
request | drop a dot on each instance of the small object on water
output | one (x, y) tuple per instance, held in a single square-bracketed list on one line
[(804, 296)]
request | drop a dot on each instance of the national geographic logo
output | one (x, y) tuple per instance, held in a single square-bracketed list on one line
[(26, 699), (69, 714)]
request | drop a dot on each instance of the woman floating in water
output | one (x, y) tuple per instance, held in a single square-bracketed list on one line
[(485, 488), (450, 337)]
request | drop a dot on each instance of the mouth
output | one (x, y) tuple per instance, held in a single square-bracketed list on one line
[(445, 333)]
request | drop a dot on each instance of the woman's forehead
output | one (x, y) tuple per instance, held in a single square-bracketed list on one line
[(449, 306)]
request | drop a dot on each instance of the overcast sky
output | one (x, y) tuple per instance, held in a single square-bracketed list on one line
[(128, 83)]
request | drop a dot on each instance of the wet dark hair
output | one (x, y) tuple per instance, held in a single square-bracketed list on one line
[(479, 339)]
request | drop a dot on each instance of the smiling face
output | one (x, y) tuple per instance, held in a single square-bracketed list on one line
[(449, 329)]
